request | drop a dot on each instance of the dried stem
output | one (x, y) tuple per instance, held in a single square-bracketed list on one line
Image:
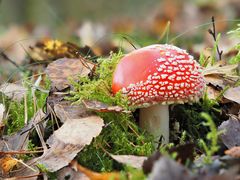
[(213, 33)]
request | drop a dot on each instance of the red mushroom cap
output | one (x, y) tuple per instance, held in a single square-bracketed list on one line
[(159, 74)]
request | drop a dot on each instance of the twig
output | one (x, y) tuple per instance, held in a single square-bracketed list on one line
[(4, 56), (23, 163), (213, 33), (20, 152)]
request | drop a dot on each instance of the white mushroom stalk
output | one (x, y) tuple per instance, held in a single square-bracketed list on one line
[(155, 120)]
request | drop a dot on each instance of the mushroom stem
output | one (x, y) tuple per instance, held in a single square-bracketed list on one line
[(155, 120)]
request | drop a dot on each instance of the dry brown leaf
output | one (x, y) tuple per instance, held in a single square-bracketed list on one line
[(234, 152), (102, 107), (231, 128), (134, 161), (70, 139), (223, 70), (7, 163), (65, 111), (215, 80), (13, 91), (233, 94), (221, 76), (61, 70)]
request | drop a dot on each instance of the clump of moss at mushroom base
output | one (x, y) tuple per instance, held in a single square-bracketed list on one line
[(121, 135)]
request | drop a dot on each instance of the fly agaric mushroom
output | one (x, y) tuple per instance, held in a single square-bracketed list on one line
[(154, 77)]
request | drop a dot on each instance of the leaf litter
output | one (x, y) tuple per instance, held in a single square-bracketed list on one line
[(79, 124)]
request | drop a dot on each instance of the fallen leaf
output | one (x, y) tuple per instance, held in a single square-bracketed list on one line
[(102, 107), (7, 163), (223, 70), (65, 111), (61, 70), (70, 139), (94, 175), (215, 80), (234, 152), (220, 76), (166, 169), (134, 161), (233, 94), (231, 128), (13, 91)]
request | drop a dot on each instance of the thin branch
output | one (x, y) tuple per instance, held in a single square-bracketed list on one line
[(213, 33)]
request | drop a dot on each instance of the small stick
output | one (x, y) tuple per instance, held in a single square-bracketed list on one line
[(20, 152), (213, 33)]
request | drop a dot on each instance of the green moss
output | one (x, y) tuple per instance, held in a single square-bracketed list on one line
[(99, 86), (121, 134)]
